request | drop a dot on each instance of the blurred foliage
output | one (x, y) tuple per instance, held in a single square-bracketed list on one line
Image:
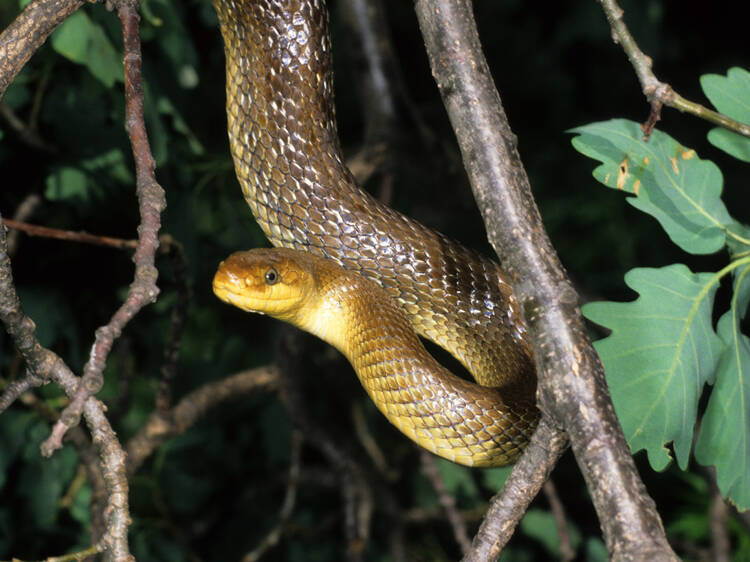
[(214, 492)]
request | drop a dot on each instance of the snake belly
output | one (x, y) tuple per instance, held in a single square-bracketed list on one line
[(283, 139)]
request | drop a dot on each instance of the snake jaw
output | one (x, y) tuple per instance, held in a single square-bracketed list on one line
[(266, 282)]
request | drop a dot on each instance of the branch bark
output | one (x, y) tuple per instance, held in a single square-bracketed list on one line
[(659, 93), (572, 390), (28, 32), (44, 365)]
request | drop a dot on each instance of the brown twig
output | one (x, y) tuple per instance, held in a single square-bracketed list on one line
[(12, 391), (558, 512), (659, 93), (356, 494), (25, 132), (718, 519), (369, 444), (151, 202), (447, 502), (510, 504), (24, 210), (374, 66), (176, 254), (45, 365), (287, 507), (28, 31), (161, 426), (69, 235), (572, 390)]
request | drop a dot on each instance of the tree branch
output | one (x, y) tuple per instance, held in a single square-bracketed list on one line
[(508, 507), (151, 202), (69, 235), (162, 425), (572, 390), (28, 31), (45, 365), (659, 93), (447, 501)]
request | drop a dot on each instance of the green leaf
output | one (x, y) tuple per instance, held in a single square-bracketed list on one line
[(670, 182), (66, 183), (13, 428), (494, 478), (730, 95), (661, 352), (83, 41), (690, 525), (729, 406), (457, 479), (730, 142), (541, 525), (595, 550), (43, 481), (738, 241)]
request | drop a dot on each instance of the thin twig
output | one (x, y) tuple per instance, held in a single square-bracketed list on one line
[(659, 93), (69, 235), (572, 391), (13, 390), (151, 202), (24, 210), (718, 519), (25, 132), (177, 320), (356, 494), (558, 512), (287, 507), (163, 425), (46, 365), (369, 444), (447, 502)]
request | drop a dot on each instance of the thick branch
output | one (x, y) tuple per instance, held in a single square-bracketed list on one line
[(28, 31), (572, 389)]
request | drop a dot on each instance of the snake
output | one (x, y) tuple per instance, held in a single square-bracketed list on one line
[(375, 277)]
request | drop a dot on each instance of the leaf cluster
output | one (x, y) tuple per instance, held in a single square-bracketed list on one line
[(666, 346)]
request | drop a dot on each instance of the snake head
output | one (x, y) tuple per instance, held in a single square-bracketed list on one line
[(277, 282)]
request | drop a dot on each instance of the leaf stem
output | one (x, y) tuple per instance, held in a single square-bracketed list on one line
[(657, 92), (727, 269)]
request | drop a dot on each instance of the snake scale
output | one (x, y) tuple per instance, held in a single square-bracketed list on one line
[(283, 139)]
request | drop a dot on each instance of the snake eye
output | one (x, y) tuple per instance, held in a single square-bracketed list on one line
[(271, 276)]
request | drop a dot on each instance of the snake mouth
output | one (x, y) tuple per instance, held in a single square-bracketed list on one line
[(251, 294)]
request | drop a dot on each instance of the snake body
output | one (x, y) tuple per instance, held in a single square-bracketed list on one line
[(283, 139)]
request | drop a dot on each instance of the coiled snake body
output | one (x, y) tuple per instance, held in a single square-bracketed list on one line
[(283, 139)]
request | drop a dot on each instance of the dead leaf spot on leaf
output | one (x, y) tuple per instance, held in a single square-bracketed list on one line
[(622, 174), (645, 160), (636, 186), (675, 169), (687, 154)]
